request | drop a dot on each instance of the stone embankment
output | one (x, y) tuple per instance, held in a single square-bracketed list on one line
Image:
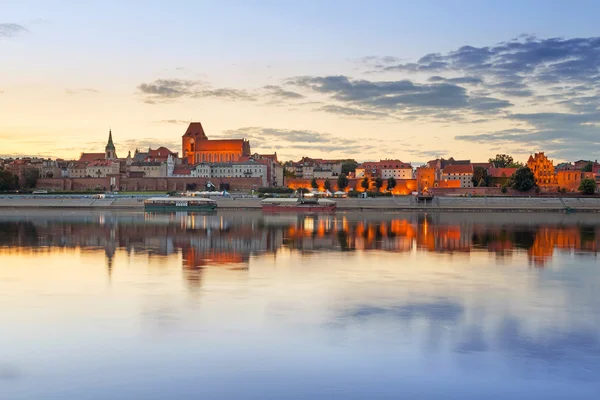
[(399, 203)]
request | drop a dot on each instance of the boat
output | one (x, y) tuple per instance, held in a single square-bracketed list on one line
[(40, 192), (423, 196), (179, 204), (301, 204)]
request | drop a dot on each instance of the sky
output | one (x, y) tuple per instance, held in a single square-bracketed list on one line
[(409, 80)]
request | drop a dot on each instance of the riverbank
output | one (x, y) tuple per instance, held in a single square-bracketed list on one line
[(399, 203)]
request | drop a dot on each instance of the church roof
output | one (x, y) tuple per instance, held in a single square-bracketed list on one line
[(195, 129), (110, 145)]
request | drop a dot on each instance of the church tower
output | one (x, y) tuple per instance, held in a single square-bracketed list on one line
[(109, 151)]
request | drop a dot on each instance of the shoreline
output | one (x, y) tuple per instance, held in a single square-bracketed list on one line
[(395, 204)]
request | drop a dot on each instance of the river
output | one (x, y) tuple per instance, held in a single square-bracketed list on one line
[(241, 305)]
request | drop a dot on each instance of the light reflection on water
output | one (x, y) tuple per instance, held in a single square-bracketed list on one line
[(241, 305)]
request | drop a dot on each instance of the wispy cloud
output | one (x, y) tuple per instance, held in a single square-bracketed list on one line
[(9, 30), (81, 91)]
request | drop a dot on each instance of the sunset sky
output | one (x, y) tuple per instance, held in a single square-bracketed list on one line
[(412, 80)]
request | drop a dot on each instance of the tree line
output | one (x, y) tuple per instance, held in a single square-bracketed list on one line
[(10, 181)]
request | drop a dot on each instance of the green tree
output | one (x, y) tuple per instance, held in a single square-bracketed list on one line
[(349, 166), (588, 167), (587, 186), (502, 160), (8, 180), (327, 185), (365, 183), (378, 183), (391, 183), (523, 179), (480, 176), (342, 182), (313, 183)]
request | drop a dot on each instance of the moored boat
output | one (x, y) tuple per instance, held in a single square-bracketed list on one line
[(301, 204), (179, 204)]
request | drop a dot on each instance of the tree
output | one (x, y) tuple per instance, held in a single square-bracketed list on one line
[(8, 180), (342, 181), (502, 160), (378, 183), (365, 183), (391, 183), (480, 176), (30, 177), (327, 185), (314, 183), (349, 166), (523, 179), (588, 167), (288, 173), (587, 186)]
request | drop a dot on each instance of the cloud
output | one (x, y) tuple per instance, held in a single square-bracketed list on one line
[(227, 94), (279, 92), (172, 121), (165, 90), (144, 143), (81, 91), (290, 141), (348, 111), (9, 30), (562, 135), (401, 99)]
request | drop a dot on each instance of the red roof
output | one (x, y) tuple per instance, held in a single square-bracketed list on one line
[(89, 157), (501, 172), (195, 129), (485, 165), (272, 157), (100, 163), (160, 154), (181, 170), (458, 169)]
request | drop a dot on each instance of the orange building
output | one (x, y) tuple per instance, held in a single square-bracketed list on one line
[(570, 180), (543, 169), (425, 178), (198, 148)]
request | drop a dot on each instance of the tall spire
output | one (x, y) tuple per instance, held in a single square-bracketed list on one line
[(110, 144)]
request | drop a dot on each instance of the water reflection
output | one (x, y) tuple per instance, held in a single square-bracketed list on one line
[(355, 306), (231, 239)]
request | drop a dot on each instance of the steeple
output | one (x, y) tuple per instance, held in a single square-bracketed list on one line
[(110, 144), (110, 151)]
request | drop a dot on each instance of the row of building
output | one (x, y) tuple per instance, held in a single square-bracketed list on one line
[(204, 158)]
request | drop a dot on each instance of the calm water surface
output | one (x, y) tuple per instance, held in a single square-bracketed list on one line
[(246, 306)]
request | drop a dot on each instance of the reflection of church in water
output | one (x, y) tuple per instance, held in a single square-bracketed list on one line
[(231, 240)]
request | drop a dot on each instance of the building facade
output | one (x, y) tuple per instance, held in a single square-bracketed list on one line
[(543, 169), (102, 168), (571, 179), (459, 172), (197, 148)]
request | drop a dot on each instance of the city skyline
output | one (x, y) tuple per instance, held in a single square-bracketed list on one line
[(283, 77)]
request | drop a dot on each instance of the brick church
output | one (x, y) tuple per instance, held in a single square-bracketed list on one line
[(197, 148)]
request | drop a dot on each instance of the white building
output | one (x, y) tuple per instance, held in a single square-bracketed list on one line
[(403, 172), (201, 170), (462, 173)]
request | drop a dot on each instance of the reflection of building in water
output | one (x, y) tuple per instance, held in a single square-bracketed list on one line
[(231, 241)]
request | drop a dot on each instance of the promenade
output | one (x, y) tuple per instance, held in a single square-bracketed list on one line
[(399, 203)]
